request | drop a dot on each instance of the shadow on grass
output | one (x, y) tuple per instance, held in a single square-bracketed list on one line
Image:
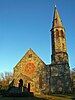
[(22, 98)]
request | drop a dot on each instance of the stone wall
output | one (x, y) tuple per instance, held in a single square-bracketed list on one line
[(60, 78)]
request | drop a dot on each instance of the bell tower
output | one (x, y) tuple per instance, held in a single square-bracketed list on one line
[(59, 52), (59, 68)]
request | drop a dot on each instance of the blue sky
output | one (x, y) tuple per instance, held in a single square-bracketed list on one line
[(26, 24)]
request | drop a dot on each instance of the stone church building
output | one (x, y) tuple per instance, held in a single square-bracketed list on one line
[(36, 76)]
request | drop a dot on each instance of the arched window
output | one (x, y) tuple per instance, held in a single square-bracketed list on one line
[(57, 33), (40, 81), (63, 46), (62, 33), (52, 37)]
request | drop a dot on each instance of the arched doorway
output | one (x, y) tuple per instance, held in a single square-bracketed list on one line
[(20, 84)]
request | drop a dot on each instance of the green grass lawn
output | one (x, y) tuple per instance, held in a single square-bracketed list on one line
[(41, 97)]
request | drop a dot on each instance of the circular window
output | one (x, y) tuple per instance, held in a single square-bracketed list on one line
[(29, 68)]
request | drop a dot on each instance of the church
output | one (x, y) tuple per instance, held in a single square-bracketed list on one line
[(36, 76)]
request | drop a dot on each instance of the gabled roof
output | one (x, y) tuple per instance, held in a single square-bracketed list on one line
[(30, 53)]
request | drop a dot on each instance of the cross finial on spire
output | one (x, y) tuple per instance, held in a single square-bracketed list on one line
[(55, 5)]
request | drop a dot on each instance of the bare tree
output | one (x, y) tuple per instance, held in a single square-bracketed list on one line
[(5, 79), (2, 76)]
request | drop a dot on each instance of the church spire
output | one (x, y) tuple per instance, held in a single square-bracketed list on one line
[(59, 52), (56, 19)]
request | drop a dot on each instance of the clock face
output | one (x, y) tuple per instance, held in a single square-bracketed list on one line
[(29, 68)]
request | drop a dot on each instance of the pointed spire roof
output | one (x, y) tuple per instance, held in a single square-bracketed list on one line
[(56, 19)]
